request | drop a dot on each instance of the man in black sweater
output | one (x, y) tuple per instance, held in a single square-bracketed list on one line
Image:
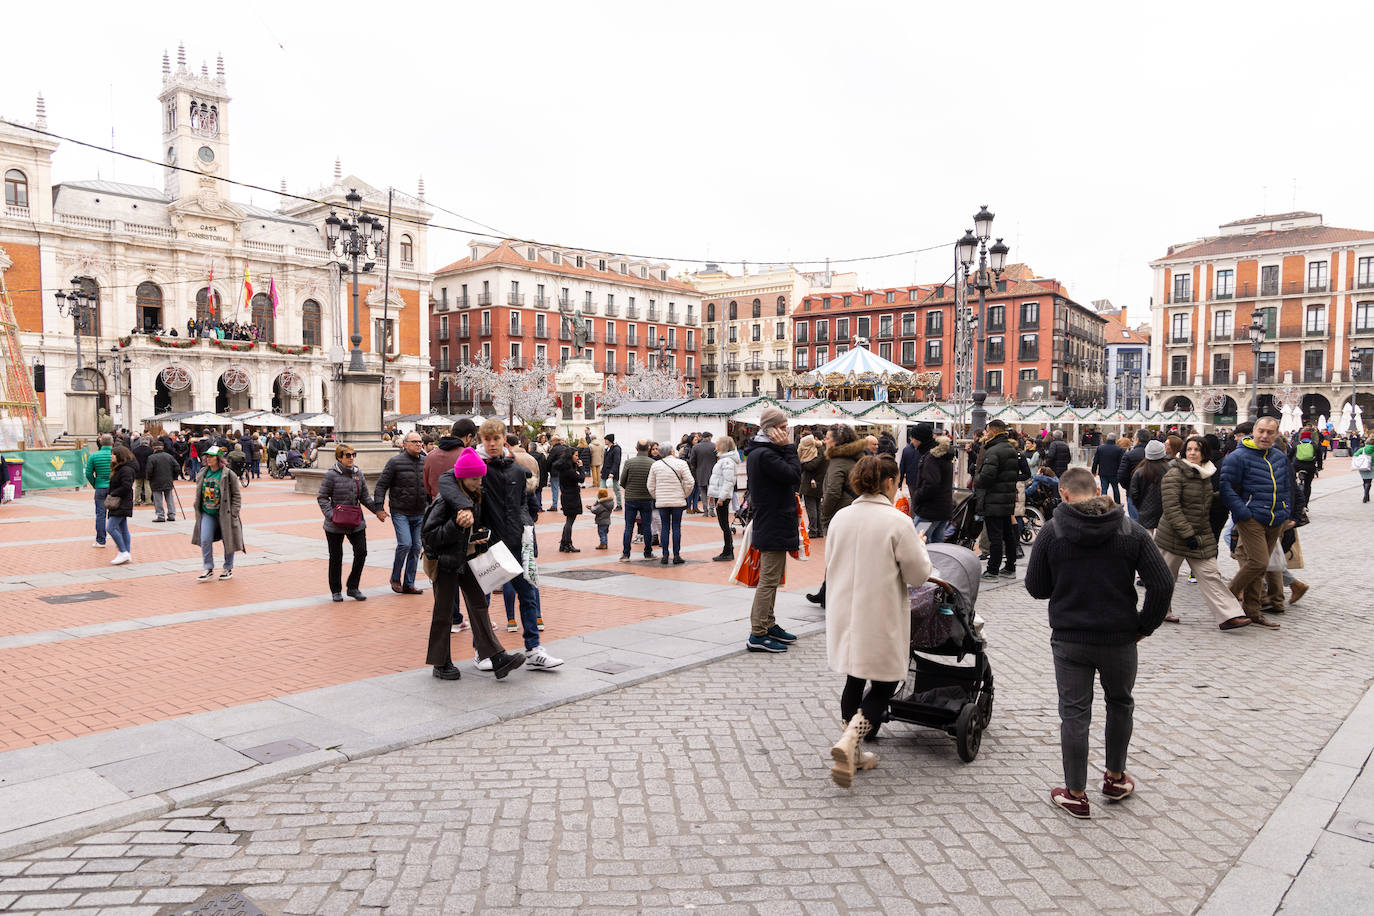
[(1085, 561)]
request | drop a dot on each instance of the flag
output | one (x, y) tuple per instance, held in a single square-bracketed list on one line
[(247, 288), (210, 289), (272, 294)]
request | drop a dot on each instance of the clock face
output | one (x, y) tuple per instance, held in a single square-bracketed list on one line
[(171, 155), (206, 154)]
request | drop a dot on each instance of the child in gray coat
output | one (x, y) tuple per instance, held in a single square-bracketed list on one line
[(601, 511)]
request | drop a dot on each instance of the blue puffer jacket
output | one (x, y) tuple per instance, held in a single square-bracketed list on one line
[(1255, 484)]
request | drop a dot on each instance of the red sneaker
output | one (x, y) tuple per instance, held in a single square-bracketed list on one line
[(1117, 789), (1078, 807)]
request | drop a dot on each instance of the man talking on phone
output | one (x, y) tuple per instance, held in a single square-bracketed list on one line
[(774, 475)]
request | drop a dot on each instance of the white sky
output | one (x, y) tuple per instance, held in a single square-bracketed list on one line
[(1098, 132)]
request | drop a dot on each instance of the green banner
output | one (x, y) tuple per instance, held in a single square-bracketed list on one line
[(51, 469)]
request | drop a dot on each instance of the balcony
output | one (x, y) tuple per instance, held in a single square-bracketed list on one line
[(885, 333), (935, 330), (779, 365), (612, 310), (754, 365), (1178, 380), (732, 365), (563, 333), (515, 299), (484, 329), (653, 313), (541, 333), (611, 338), (516, 330), (999, 327), (691, 346), (484, 298), (1222, 378), (1319, 286), (565, 304), (995, 355), (1179, 297), (1224, 294), (542, 302), (1178, 339), (1311, 333), (840, 337), (1364, 329), (908, 330), (591, 335), (672, 316), (1028, 354), (462, 302), (631, 312), (516, 362), (709, 368), (1221, 337), (1029, 324), (1265, 376), (632, 341), (1313, 375)]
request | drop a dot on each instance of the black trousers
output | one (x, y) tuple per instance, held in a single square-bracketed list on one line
[(723, 517), (1001, 539), (447, 584), (567, 530), (874, 703), (358, 539)]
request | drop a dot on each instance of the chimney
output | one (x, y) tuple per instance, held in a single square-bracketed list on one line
[(42, 114)]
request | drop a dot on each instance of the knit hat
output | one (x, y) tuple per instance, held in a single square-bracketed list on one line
[(1154, 450), (807, 448), (1306, 436), (771, 417), (470, 464), (923, 432)]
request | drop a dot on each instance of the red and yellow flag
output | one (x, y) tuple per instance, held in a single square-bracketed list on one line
[(247, 288)]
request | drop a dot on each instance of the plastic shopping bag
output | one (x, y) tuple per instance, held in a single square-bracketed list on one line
[(527, 560), (494, 568)]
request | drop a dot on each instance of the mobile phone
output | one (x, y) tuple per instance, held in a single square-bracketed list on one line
[(480, 534)]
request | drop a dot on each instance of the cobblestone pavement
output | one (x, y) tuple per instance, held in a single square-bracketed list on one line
[(708, 789)]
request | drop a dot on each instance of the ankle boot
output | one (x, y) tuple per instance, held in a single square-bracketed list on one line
[(846, 753)]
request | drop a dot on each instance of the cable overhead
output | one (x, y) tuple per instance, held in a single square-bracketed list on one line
[(493, 234)]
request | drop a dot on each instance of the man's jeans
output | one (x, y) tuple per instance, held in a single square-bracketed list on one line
[(934, 528), (209, 525), (613, 484), (1074, 667), (553, 485), (142, 492), (162, 503), (407, 548), (530, 607), (644, 510), (100, 494), (1116, 489)]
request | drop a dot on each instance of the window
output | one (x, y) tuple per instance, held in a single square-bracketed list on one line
[(529, 254), (885, 351), (1028, 375), (1029, 348), (1183, 288), (383, 331), (756, 332), (908, 353), (864, 326), (734, 310), (464, 330), (935, 323), (515, 353), (822, 354), (841, 328), (1316, 277), (1030, 314), (1364, 317), (601, 264), (1221, 369), (1316, 320), (149, 299), (885, 327), (757, 308), (443, 327), (541, 352), (691, 339), (848, 301), (822, 329), (782, 305), (632, 337), (710, 335), (733, 334), (891, 297), (932, 352), (997, 317), (310, 323), (1178, 370), (610, 332), (631, 362), (610, 361), (486, 323), (652, 337), (1269, 280), (443, 358), (1364, 273), (909, 324), (801, 360), (579, 262), (407, 250), (1226, 284), (1266, 366), (672, 337), (802, 329), (587, 300), (994, 381), (541, 325), (779, 330), (515, 323), (996, 349), (207, 309), (1178, 329), (1312, 365), (1221, 326), (463, 354), (16, 189), (710, 312), (263, 317)]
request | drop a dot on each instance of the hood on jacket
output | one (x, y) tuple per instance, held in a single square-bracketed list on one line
[(1204, 470), (853, 449), (1088, 521), (940, 449), (807, 449), (449, 443)]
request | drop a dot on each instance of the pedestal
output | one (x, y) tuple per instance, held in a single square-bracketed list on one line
[(578, 378), (81, 414), (357, 409)]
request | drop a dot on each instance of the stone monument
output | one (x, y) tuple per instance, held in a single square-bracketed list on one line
[(578, 383)]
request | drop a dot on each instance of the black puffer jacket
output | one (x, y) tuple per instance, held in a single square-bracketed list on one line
[(404, 478), (141, 455), (503, 500), (122, 485), (610, 462), (1146, 496), (444, 539), (1058, 456), (934, 493), (344, 488), (774, 475), (569, 483), (994, 483)]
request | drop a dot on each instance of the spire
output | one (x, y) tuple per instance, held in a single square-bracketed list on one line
[(284, 199), (338, 170), (422, 188), (181, 56), (204, 70), (42, 114), (219, 67), (166, 66)]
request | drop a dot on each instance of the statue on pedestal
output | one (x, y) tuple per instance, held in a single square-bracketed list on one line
[(577, 327)]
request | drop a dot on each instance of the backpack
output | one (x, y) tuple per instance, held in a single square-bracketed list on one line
[(1305, 451)]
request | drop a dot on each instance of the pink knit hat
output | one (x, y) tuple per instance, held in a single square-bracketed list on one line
[(470, 464)]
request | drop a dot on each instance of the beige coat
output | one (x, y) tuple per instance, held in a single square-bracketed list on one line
[(872, 553), (670, 482), (598, 448), (230, 501)]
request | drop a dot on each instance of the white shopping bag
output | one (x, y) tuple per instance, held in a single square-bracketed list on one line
[(494, 568), (8, 493), (527, 559)]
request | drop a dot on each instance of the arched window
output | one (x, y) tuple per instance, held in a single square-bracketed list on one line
[(91, 289), (310, 323), (407, 250), (757, 309), (782, 305), (263, 317), (16, 189), (710, 311), (207, 310), (734, 309), (148, 297)]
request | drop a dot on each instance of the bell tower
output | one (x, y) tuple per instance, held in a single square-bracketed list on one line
[(195, 129)]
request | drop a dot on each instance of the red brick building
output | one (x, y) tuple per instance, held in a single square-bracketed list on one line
[(1035, 331)]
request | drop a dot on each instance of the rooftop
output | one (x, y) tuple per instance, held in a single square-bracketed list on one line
[(504, 255)]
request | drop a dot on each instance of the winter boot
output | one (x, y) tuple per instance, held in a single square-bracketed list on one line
[(846, 753)]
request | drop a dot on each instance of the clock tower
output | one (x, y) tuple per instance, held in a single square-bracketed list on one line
[(195, 131)]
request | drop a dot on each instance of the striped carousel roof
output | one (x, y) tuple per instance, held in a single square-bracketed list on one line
[(860, 361)]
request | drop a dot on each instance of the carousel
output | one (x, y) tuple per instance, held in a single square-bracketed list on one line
[(861, 375)]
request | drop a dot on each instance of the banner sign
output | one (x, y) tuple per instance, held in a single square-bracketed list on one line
[(51, 469)]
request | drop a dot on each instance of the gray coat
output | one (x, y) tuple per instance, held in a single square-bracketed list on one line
[(703, 462), (230, 500), (344, 488), (161, 469)]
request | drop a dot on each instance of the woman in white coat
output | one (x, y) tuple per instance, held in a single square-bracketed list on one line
[(872, 553), (721, 490)]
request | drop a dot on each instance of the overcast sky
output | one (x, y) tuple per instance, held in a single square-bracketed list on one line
[(1098, 133)]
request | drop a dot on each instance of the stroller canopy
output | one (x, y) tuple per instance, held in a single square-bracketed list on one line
[(957, 566)]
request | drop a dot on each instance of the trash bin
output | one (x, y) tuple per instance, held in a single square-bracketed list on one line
[(16, 469)]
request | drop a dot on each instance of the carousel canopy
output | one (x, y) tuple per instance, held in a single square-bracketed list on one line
[(861, 361)]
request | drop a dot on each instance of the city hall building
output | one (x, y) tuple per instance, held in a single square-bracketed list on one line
[(155, 258)]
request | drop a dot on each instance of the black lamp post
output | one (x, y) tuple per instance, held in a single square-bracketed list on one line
[(994, 258), (357, 236), (76, 303), (1355, 365), (1256, 332)]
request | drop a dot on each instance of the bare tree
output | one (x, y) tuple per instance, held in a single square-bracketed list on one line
[(514, 390), (650, 383)]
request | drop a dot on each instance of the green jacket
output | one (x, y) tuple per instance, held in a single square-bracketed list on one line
[(98, 468), (1186, 494)]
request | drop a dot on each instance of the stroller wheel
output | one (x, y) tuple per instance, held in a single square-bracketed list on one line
[(968, 732)]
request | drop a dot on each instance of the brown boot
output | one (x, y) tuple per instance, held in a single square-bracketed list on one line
[(1298, 589), (846, 753)]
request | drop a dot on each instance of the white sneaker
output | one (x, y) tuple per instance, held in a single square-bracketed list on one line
[(98, 544), (538, 658), (481, 664), (120, 559)]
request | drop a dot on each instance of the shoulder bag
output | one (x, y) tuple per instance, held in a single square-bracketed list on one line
[(349, 515)]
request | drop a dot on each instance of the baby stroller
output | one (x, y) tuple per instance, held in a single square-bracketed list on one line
[(277, 467), (967, 526), (743, 512), (949, 681)]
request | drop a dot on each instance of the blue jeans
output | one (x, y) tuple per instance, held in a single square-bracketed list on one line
[(1116, 488), (553, 485), (209, 527), (100, 494), (694, 498), (670, 521), (934, 528), (643, 509), (530, 608), (118, 527), (602, 531), (407, 548), (612, 483), (195, 467), (1130, 510)]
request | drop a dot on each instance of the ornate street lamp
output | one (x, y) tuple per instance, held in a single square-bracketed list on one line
[(76, 303), (1256, 332), (1355, 365), (991, 262), (357, 236)]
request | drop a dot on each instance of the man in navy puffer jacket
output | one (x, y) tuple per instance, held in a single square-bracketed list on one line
[(1256, 487)]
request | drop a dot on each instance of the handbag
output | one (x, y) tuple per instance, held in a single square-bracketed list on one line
[(112, 502), (1360, 462), (348, 515), (494, 567)]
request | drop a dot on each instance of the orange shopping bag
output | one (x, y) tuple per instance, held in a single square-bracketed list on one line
[(804, 553), (747, 558), (903, 505)]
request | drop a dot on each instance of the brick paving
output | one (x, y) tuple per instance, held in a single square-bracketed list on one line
[(708, 790)]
